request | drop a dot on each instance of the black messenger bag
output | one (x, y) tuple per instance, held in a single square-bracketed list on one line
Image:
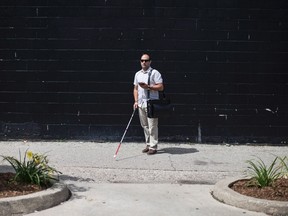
[(161, 107)]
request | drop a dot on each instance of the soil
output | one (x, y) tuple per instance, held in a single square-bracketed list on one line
[(9, 188), (277, 191)]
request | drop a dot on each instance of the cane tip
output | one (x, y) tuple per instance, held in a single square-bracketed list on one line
[(114, 156)]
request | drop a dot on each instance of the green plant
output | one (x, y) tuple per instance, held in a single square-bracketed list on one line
[(262, 175), (34, 169), (284, 166)]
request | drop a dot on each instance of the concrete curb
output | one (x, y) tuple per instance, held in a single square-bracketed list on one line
[(223, 193), (38, 201)]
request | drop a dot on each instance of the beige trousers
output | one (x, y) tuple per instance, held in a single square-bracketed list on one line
[(150, 126)]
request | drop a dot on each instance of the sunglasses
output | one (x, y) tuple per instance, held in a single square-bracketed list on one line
[(145, 60)]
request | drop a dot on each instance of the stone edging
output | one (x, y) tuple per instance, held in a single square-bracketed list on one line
[(223, 193), (37, 201)]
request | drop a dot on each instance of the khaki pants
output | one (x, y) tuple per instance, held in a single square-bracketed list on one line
[(150, 126)]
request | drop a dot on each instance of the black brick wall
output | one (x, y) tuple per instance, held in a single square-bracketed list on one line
[(67, 68)]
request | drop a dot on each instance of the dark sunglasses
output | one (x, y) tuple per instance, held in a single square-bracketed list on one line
[(144, 60)]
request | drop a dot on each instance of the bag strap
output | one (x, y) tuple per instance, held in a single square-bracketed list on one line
[(148, 91), (149, 74)]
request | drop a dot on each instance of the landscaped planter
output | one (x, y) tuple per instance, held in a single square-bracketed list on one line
[(37, 201), (223, 193)]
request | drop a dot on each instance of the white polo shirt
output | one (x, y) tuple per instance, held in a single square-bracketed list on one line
[(142, 76)]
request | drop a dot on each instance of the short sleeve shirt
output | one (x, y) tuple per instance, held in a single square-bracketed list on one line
[(142, 76)]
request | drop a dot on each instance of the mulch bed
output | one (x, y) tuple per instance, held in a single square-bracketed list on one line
[(278, 191), (9, 188)]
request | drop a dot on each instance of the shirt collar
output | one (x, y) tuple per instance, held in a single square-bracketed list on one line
[(146, 70)]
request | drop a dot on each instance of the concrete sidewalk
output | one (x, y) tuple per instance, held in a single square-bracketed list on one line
[(176, 181)]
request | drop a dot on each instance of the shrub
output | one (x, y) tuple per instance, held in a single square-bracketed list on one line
[(262, 175), (34, 169), (284, 166)]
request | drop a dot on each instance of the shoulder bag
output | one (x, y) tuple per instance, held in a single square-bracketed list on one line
[(161, 107)]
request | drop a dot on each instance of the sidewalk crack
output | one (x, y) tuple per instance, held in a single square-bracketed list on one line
[(171, 163)]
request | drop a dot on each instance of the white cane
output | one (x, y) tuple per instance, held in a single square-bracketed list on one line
[(124, 134)]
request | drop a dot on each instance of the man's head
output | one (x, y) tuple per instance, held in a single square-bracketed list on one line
[(145, 61)]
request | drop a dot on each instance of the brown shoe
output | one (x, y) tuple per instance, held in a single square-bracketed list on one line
[(151, 151), (146, 149)]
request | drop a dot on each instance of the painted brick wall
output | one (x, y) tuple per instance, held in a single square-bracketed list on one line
[(67, 68)]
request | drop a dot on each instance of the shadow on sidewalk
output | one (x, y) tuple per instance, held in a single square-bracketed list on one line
[(177, 150), (6, 168), (170, 150), (75, 190)]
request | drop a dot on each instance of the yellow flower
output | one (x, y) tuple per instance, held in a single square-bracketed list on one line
[(29, 154), (36, 161)]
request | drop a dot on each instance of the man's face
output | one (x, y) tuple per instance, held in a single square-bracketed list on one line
[(145, 62)]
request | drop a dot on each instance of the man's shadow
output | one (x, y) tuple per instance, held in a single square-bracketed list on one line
[(177, 150), (170, 150)]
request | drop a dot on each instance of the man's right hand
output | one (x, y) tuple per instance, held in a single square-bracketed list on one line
[(135, 106)]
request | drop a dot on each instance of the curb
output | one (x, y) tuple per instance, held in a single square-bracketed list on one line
[(37, 201), (223, 193)]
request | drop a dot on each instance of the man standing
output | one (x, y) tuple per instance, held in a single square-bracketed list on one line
[(142, 92)]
